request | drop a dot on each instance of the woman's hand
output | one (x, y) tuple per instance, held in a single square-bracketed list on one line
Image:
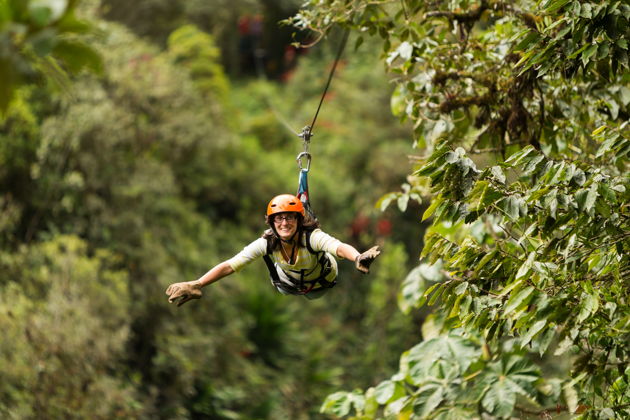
[(181, 293), (363, 261)]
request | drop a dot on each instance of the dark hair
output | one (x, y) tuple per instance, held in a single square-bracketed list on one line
[(305, 223)]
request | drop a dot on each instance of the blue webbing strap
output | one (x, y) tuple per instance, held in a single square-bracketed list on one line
[(302, 193)]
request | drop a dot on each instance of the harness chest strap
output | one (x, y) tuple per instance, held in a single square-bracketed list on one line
[(301, 288)]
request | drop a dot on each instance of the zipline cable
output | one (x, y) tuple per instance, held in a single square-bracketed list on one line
[(307, 133), (308, 130)]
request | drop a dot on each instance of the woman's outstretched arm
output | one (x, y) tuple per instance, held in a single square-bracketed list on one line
[(347, 251), (181, 293), (362, 261)]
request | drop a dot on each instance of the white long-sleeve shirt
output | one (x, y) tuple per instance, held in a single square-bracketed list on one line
[(304, 262)]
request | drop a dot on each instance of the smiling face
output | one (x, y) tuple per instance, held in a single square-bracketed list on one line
[(285, 225)]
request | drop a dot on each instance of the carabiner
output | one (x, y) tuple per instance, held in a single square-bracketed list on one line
[(308, 161), (306, 134)]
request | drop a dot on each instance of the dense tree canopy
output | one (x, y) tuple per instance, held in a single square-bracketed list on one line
[(127, 164), (520, 111), (147, 173)]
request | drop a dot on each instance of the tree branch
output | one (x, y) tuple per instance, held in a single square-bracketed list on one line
[(474, 15), (546, 413), (471, 16)]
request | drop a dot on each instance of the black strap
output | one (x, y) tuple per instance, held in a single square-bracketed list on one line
[(308, 242), (272, 269), (301, 287)]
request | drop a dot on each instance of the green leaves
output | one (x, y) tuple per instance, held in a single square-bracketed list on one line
[(589, 304), (563, 37), (505, 380), (341, 403), (35, 33), (545, 217), (69, 298), (77, 56), (523, 122), (401, 198), (445, 376), (554, 5), (388, 391), (518, 299), (197, 51), (414, 290), (451, 356), (482, 195), (45, 12)]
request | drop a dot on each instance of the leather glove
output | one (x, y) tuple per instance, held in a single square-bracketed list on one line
[(181, 293), (363, 261)]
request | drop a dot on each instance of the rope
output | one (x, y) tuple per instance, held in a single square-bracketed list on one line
[(307, 133), (304, 158)]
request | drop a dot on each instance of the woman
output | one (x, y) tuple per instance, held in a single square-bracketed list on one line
[(298, 254)]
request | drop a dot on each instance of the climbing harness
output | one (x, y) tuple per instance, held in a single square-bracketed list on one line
[(289, 284)]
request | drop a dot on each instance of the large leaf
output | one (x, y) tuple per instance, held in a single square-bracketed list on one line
[(511, 376), (388, 391), (78, 56), (340, 403), (499, 399), (518, 298), (450, 350)]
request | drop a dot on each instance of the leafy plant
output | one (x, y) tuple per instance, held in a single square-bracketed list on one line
[(42, 38), (520, 110)]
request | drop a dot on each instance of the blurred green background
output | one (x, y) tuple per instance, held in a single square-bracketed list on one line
[(156, 165)]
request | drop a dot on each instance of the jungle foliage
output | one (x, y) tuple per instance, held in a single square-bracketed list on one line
[(520, 113), (149, 170), (130, 164), (41, 38)]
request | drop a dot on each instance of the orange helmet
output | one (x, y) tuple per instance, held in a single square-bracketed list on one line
[(285, 203)]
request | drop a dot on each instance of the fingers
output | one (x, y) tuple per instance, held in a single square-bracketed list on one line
[(173, 288), (180, 293), (175, 296), (373, 252), (174, 291), (367, 258), (184, 299), (179, 298), (370, 255), (362, 266)]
